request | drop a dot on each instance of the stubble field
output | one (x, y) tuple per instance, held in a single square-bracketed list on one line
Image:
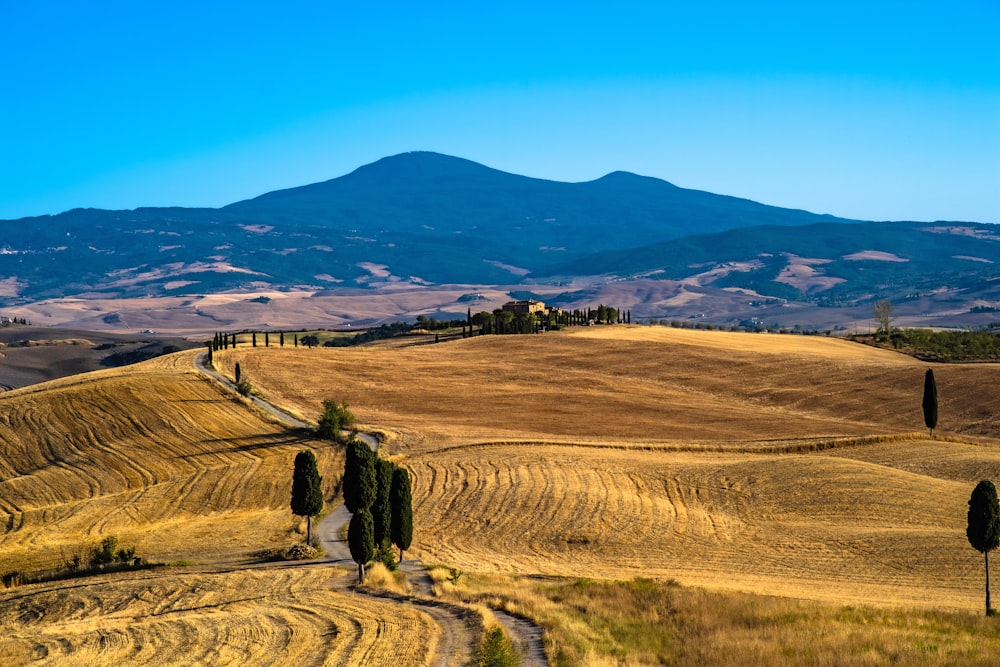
[(783, 465), (795, 466)]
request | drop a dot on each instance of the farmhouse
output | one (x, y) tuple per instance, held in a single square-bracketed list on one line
[(526, 307)]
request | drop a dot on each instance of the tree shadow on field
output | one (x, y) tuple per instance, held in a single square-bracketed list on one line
[(293, 438)]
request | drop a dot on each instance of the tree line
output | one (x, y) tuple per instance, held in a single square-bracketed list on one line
[(501, 321)]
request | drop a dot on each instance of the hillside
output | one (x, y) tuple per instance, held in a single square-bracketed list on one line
[(785, 465), (543, 465), (416, 218)]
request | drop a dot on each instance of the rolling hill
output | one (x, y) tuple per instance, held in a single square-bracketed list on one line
[(789, 466), (422, 217), (429, 224)]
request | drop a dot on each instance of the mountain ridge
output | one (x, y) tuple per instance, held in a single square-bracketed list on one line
[(424, 219)]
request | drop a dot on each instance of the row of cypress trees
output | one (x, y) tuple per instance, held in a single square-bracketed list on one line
[(377, 493)]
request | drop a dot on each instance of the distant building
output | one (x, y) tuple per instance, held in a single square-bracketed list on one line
[(526, 307)]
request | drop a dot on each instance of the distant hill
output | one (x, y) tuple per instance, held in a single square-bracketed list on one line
[(827, 263), (425, 220), (415, 217)]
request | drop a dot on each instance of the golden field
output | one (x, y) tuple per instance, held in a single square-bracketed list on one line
[(796, 467), (282, 617)]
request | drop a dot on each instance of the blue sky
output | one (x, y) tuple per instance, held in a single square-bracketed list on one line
[(872, 110)]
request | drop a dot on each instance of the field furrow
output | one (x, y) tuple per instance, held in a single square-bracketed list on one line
[(810, 525), (291, 616)]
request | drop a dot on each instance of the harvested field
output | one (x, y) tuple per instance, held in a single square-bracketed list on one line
[(785, 465), (821, 525), (780, 464), (156, 454), (286, 616), (624, 385)]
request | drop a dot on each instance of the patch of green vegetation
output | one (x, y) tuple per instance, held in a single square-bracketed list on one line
[(496, 650), (650, 622), (942, 346)]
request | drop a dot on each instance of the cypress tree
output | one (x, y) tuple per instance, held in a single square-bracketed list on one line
[(236, 372), (361, 540), (382, 508), (359, 476), (930, 401), (401, 499), (254, 339), (296, 340), (234, 341), (267, 339), (281, 339), (307, 489), (210, 356), (984, 526)]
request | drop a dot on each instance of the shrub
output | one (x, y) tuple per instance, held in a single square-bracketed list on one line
[(301, 552), (108, 552), (244, 387), (336, 419), (496, 650)]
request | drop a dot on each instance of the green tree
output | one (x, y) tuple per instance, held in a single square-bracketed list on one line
[(361, 540), (401, 500), (359, 483), (255, 339), (930, 401), (382, 507), (237, 373), (336, 419), (307, 489), (984, 526)]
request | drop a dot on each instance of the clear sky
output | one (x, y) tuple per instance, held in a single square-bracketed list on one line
[(873, 110)]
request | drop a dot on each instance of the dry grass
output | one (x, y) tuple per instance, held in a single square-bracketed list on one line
[(287, 616), (156, 454), (647, 622)]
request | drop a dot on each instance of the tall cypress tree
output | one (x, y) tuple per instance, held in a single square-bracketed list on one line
[(401, 499), (281, 339), (254, 339), (984, 526), (359, 476), (307, 489), (382, 508), (930, 401), (361, 540)]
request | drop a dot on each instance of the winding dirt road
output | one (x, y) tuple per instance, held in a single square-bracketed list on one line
[(456, 643)]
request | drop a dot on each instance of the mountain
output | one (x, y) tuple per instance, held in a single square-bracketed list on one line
[(423, 220), (420, 218)]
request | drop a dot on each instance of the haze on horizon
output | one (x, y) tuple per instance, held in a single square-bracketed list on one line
[(884, 111)]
